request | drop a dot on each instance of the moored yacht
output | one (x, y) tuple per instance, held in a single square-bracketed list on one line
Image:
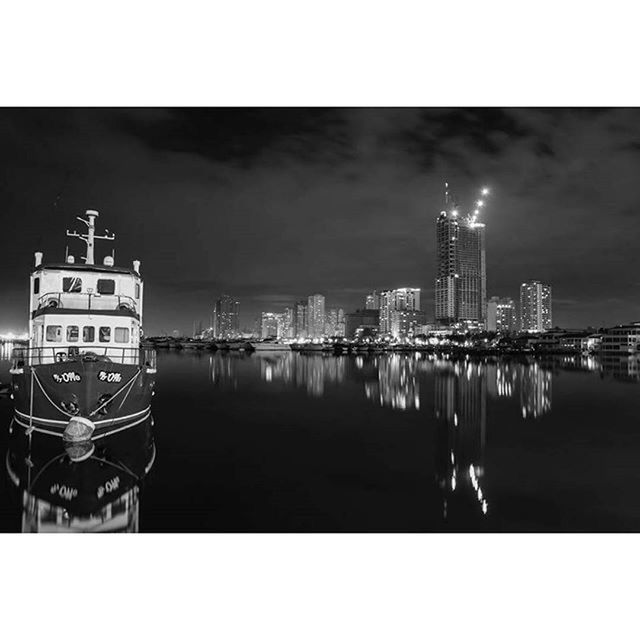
[(270, 344), (84, 373)]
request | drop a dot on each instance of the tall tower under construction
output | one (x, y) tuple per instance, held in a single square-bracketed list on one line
[(461, 275)]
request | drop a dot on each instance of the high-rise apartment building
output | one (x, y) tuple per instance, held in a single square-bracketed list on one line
[(226, 318), (461, 277), (270, 325), (501, 315), (301, 320), (287, 323), (372, 301), (535, 306), (405, 299), (315, 316)]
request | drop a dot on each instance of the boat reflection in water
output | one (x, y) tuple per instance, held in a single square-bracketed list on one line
[(93, 486)]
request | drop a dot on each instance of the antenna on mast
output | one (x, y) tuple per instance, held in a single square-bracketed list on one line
[(90, 237)]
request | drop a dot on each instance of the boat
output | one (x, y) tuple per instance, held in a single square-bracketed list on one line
[(84, 373), (83, 487), (270, 344), (312, 346)]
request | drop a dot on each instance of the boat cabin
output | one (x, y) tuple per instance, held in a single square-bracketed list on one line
[(85, 309)]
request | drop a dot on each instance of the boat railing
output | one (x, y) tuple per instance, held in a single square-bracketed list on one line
[(86, 301), (30, 356)]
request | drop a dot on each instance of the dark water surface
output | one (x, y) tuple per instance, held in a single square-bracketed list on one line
[(381, 443)]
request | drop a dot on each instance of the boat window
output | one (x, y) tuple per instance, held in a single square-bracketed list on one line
[(107, 287), (73, 333), (54, 333), (36, 285), (88, 334), (137, 291), (105, 334), (121, 334), (71, 285)]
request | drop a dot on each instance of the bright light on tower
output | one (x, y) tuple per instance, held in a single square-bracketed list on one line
[(480, 203), (485, 191), (454, 212)]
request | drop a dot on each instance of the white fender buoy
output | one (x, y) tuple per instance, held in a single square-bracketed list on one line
[(79, 429), (79, 451)]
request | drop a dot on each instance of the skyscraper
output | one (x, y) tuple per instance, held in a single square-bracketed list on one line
[(226, 318), (315, 316), (271, 323), (301, 320), (288, 325), (461, 277), (535, 306), (501, 315), (405, 299), (372, 301)]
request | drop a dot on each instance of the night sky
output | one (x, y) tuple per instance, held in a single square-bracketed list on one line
[(272, 205)]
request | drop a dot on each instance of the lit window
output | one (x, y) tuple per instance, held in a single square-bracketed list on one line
[(73, 333), (105, 334), (54, 333), (88, 334), (121, 334)]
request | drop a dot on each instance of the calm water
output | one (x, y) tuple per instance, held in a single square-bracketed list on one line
[(402, 442)]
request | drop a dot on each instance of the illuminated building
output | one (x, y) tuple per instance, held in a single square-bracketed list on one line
[(334, 325), (315, 316), (269, 325), (501, 315), (621, 340), (301, 320), (287, 324), (372, 301), (331, 323), (341, 326), (461, 278), (405, 299), (406, 324), (226, 318), (535, 306)]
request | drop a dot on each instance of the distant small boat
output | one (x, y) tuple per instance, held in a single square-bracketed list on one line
[(313, 346), (270, 345)]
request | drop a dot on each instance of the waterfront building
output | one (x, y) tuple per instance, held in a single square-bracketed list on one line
[(406, 323), (404, 299), (372, 301), (334, 325), (621, 340), (501, 315), (535, 306), (461, 277), (331, 322), (315, 316), (301, 320), (270, 324), (287, 323), (340, 326), (226, 318), (362, 321)]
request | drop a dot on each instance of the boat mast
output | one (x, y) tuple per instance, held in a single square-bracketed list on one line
[(90, 237)]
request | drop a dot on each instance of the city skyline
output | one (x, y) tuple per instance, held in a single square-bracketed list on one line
[(339, 201)]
